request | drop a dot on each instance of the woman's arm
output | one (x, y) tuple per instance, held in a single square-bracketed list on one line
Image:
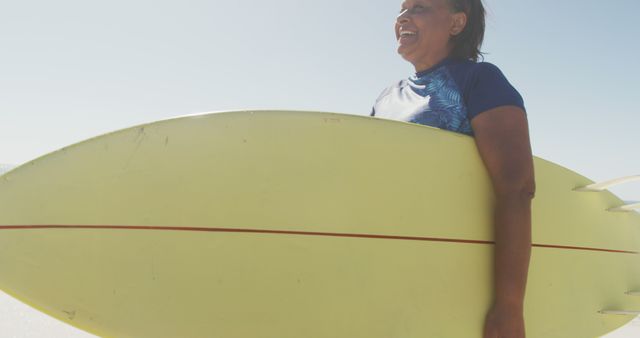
[(502, 139)]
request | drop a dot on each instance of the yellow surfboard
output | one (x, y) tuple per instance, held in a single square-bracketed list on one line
[(282, 224)]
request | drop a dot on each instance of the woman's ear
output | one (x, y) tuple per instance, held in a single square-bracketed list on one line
[(459, 21)]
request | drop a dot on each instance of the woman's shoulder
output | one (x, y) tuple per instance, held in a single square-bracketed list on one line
[(484, 86), (476, 68), (470, 75)]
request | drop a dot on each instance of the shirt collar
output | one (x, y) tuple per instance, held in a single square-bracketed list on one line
[(444, 62)]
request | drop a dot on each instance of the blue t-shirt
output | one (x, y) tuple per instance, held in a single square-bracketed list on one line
[(448, 95)]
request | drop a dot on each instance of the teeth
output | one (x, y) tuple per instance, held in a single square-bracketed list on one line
[(407, 33)]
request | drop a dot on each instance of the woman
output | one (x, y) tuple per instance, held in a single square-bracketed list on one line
[(451, 90)]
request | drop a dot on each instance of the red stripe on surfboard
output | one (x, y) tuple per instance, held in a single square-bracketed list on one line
[(304, 233)]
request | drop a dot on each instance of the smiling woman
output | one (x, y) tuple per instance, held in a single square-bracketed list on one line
[(451, 90)]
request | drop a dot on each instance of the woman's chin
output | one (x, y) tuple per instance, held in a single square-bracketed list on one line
[(404, 53)]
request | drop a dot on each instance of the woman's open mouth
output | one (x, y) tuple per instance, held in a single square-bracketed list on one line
[(407, 36)]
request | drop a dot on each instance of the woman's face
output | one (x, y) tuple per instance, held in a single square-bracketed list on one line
[(423, 29)]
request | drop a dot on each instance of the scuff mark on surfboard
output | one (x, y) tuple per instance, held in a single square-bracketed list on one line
[(140, 137), (70, 314), (332, 120)]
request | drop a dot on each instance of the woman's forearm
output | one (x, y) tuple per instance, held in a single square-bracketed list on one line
[(512, 220)]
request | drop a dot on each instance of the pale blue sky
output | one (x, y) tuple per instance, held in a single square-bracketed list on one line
[(72, 69)]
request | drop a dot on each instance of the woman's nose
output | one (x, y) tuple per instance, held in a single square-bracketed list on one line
[(402, 17)]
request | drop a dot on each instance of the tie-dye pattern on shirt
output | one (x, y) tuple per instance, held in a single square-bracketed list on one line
[(431, 99), (445, 108)]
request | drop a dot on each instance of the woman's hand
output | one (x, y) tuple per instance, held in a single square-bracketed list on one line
[(504, 322)]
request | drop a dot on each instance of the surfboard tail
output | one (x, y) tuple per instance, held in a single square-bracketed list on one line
[(626, 207), (601, 186)]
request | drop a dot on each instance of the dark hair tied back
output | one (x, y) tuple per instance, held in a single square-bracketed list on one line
[(466, 45)]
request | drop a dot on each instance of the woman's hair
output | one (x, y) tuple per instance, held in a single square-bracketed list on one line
[(466, 45)]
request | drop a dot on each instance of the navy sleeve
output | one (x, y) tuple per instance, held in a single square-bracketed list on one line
[(488, 89)]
